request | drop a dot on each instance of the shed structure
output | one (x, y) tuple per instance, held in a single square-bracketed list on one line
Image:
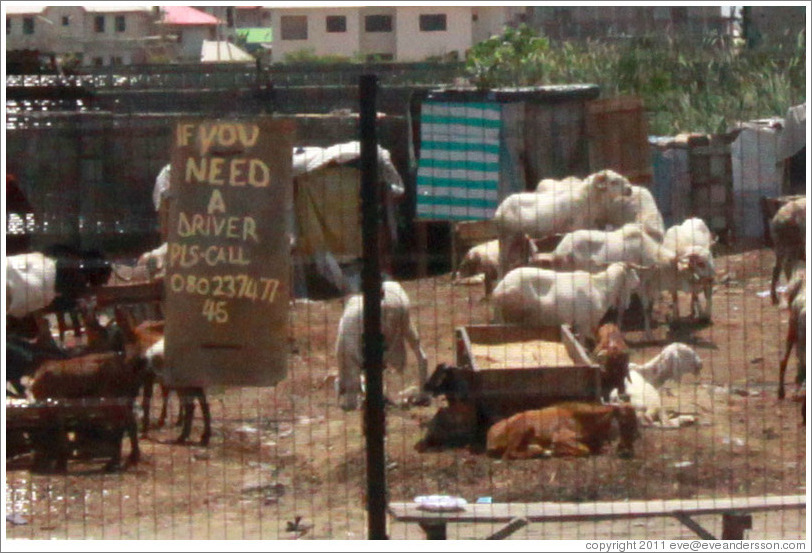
[(477, 147)]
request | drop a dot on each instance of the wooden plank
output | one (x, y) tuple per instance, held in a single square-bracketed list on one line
[(603, 510), (143, 292), (475, 232), (510, 528), (618, 137), (694, 526)]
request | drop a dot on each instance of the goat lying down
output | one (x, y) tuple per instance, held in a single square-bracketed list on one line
[(645, 381), (397, 328)]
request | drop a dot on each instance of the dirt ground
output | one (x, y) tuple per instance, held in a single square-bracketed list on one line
[(290, 451)]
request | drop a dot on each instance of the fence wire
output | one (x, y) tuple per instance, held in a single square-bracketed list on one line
[(288, 461)]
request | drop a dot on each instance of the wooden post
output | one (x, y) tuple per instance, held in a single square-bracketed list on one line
[(734, 524), (434, 530), (422, 249)]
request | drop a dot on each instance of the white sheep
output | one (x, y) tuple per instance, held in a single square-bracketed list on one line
[(484, 258), (531, 296), (638, 207), (30, 283), (397, 329), (561, 209)]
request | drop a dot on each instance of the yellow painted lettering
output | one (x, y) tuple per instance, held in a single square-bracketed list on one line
[(184, 134), (207, 135), (237, 172), (216, 170), (249, 229), (246, 138), (195, 170), (259, 175), (216, 203)]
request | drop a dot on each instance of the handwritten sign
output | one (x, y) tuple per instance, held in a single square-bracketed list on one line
[(228, 258)]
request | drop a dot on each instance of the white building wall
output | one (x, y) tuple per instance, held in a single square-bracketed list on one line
[(79, 36), (490, 20), (416, 45), (379, 42), (319, 41)]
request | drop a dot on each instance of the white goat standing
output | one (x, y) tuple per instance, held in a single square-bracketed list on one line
[(645, 380), (397, 329), (694, 237)]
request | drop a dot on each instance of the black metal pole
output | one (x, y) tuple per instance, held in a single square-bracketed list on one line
[(374, 408)]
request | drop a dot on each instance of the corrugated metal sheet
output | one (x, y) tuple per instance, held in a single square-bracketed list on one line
[(458, 172)]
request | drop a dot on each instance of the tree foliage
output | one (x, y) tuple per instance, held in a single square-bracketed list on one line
[(687, 86)]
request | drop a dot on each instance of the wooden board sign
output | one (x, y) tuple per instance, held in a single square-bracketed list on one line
[(228, 260)]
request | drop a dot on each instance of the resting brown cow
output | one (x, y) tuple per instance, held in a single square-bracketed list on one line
[(567, 429)]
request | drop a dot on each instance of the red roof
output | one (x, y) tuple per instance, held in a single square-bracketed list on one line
[(187, 15)]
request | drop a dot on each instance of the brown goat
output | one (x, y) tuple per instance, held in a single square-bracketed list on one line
[(612, 353), (452, 426), (114, 377), (567, 429), (796, 331), (788, 234), (146, 335)]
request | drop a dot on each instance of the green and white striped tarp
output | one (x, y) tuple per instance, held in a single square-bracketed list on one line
[(458, 171)]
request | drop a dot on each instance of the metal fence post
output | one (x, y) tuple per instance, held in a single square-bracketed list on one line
[(374, 414)]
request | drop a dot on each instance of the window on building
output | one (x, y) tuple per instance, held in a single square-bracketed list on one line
[(121, 24), (98, 62), (65, 20), (378, 23), (336, 24), (8, 25), (98, 23), (28, 25), (432, 22), (294, 27), (116, 60)]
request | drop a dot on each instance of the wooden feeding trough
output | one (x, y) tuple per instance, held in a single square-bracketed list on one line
[(64, 429), (517, 368)]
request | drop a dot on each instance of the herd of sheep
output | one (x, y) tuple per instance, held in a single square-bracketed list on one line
[(612, 244)]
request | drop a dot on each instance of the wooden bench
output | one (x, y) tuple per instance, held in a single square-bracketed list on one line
[(735, 513)]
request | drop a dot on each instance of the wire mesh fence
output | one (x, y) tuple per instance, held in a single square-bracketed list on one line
[(289, 461)]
